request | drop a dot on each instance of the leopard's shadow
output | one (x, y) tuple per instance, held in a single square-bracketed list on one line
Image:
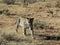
[(47, 37)]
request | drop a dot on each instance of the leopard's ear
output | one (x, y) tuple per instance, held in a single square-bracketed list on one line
[(28, 18)]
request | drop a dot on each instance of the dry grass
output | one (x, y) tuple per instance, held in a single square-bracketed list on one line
[(47, 22)]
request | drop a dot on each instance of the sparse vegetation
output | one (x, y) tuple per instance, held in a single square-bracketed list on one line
[(9, 1), (58, 4), (46, 25), (10, 37)]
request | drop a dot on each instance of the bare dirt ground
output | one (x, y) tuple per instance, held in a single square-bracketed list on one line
[(47, 13)]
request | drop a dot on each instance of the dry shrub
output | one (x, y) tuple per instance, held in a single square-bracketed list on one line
[(38, 24), (10, 37), (58, 4), (42, 25), (51, 4), (55, 3), (3, 42), (9, 1)]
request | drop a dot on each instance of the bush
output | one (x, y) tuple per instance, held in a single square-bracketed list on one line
[(9, 1), (10, 37), (58, 4)]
